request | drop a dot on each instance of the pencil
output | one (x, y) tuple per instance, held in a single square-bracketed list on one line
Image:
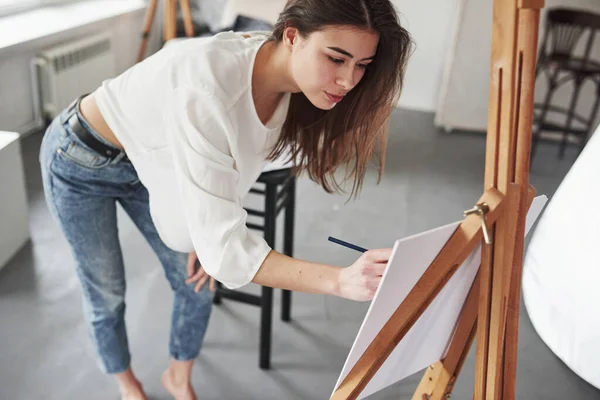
[(346, 244)]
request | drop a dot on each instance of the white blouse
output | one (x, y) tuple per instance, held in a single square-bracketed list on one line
[(186, 119)]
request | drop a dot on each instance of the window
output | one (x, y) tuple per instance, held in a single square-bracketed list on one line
[(14, 6), (10, 6)]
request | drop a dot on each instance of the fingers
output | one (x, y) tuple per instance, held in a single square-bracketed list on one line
[(198, 275), (378, 269), (371, 269), (191, 264), (378, 255), (201, 283), (373, 283)]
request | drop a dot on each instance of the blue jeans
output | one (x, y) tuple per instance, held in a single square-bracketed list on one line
[(82, 188)]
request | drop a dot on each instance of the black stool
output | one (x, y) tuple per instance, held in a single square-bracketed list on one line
[(279, 192), (556, 59)]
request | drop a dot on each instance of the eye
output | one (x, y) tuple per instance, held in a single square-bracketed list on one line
[(338, 61), (362, 66)]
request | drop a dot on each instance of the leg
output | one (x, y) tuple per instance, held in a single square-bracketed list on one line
[(186, 13), (591, 120), (148, 20), (191, 310), (545, 105), (217, 296), (266, 307), (88, 220), (575, 96), (288, 245)]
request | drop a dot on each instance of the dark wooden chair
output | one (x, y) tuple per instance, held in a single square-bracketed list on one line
[(558, 62), (279, 191)]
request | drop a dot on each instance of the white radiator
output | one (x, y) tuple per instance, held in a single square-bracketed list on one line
[(62, 73)]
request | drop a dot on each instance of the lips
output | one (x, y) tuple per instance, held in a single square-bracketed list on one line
[(333, 98)]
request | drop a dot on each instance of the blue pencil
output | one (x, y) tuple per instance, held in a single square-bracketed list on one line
[(346, 244)]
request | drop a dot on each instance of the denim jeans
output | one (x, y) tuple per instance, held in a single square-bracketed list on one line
[(82, 188)]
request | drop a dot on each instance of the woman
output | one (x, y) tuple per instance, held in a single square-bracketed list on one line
[(180, 138)]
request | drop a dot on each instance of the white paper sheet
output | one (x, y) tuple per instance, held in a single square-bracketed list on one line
[(427, 341)]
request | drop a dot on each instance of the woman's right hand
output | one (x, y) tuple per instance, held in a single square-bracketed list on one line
[(360, 280)]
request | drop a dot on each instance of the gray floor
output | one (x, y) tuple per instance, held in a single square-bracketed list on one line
[(431, 177)]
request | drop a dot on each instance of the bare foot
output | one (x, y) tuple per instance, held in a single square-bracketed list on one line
[(129, 387), (179, 390), (134, 393)]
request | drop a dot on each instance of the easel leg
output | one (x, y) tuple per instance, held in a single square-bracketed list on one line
[(483, 324), (502, 270), (512, 319), (169, 20), (499, 173), (439, 378), (527, 41), (186, 12), (148, 20)]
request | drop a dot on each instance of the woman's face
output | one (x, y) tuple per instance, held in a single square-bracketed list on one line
[(329, 63)]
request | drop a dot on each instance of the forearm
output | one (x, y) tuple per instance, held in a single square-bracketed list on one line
[(281, 271)]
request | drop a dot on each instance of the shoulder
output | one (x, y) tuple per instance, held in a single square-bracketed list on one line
[(220, 65)]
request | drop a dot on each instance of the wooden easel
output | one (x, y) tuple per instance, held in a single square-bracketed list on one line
[(491, 310), (169, 22)]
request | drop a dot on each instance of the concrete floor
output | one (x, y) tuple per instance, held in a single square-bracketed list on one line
[(431, 177)]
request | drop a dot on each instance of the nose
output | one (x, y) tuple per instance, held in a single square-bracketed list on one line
[(345, 78)]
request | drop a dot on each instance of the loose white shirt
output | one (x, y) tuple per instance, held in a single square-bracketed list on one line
[(187, 121)]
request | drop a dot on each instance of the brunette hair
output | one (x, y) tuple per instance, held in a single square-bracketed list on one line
[(356, 129)]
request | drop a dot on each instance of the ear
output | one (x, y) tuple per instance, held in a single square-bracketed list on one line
[(290, 37)]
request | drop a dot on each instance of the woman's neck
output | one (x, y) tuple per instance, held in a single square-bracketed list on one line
[(271, 77)]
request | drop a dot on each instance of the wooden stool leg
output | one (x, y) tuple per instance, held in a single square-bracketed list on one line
[(288, 246), (267, 292)]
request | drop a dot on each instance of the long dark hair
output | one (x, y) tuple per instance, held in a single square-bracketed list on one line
[(356, 129)]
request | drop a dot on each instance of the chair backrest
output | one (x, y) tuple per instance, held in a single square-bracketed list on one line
[(564, 29)]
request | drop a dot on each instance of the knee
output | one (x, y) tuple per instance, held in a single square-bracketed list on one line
[(175, 264), (203, 295), (104, 305)]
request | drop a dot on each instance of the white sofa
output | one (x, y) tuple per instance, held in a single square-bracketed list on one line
[(561, 273), (14, 221)]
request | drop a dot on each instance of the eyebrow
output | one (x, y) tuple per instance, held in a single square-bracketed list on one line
[(344, 52)]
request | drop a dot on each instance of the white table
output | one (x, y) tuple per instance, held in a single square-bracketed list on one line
[(561, 274), (14, 221)]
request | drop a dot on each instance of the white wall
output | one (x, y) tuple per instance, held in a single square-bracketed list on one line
[(464, 95), (14, 228), (16, 98), (430, 24)]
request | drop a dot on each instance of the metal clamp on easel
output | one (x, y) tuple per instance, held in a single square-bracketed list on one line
[(481, 209)]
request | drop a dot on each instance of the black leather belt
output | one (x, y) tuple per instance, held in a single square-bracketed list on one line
[(85, 136)]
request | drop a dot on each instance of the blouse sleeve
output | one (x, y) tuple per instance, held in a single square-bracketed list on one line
[(199, 128)]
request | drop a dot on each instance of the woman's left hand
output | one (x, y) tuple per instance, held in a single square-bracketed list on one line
[(196, 273)]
